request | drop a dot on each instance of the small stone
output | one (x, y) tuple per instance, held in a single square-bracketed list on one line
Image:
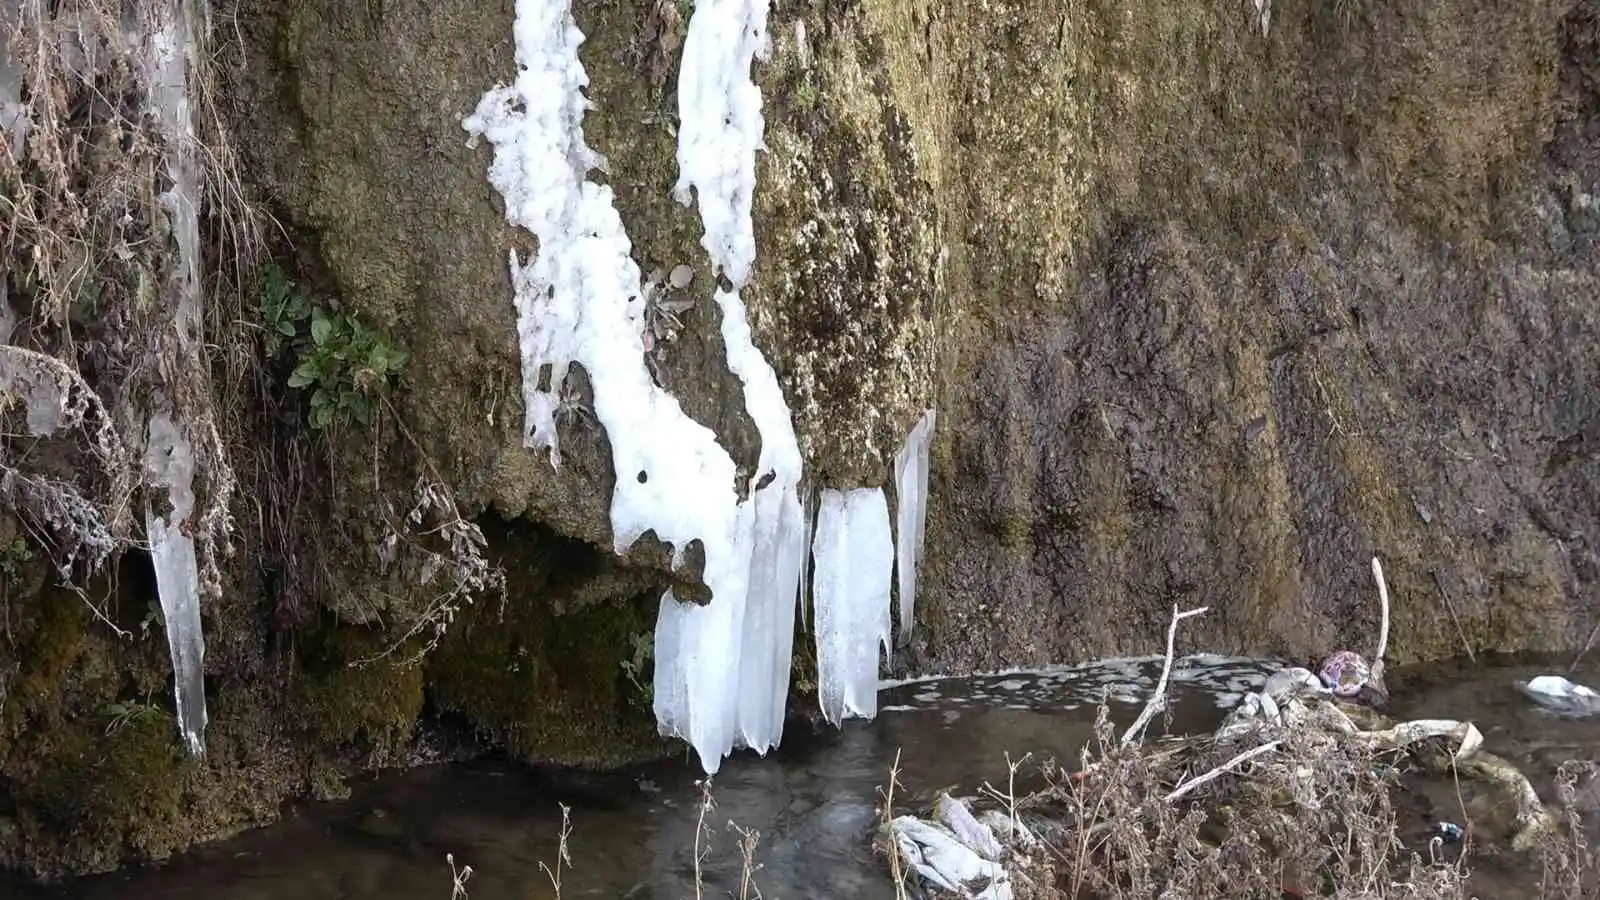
[(681, 277)]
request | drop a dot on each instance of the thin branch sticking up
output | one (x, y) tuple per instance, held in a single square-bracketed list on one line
[(1383, 601), (1158, 700)]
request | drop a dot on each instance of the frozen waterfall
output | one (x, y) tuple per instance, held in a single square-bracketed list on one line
[(722, 670)]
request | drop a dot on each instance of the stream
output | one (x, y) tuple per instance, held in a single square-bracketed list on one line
[(813, 801)]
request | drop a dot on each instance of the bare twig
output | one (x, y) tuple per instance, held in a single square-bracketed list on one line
[(1587, 646), (562, 856), (1158, 699), (1383, 602), (1449, 607), (1219, 771)]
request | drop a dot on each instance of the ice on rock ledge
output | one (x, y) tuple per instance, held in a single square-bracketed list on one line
[(911, 509), (854, 566), (726, 665), (722, 670)]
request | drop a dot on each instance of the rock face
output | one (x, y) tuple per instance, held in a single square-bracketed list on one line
[(1210, 315), (1282, 303)]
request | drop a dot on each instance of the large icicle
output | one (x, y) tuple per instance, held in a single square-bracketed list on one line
[(722, 669), (911, 508), (169, 456), (720, 127), (170, 464), (854, 566)]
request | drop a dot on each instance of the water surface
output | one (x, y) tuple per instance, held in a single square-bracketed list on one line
[(814, 801)]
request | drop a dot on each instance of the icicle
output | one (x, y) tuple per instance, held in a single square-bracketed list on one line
[(14, 119), (911, 507), (804, 594), (850, 593), (170, 456), (169, 463)]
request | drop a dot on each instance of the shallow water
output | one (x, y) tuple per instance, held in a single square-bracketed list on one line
[(813, 801)]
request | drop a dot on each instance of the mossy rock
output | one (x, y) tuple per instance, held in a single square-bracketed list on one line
[(541, 673), (96, 791), (358, 691)]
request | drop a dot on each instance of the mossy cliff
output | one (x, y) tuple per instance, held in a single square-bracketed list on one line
[(1209, 315)]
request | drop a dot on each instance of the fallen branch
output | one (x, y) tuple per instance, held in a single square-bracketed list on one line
[(1202, 780), (1158, 699)]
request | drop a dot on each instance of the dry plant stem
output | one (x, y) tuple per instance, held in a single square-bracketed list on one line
[(896, 864), (701, 846), (459, 878), (1201, 780), (1009, 798), (1450, 608), (1158, 699), (562, 856), (749, 838)]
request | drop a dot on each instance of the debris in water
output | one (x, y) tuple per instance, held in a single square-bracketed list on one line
[(1555, 693)]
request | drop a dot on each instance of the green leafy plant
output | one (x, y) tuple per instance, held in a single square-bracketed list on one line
[(125, 713), (283, 307), (14, 557), (637, 667), (338, 360)]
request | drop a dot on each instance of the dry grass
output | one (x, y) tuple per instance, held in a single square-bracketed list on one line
[(88, 240), (1307, 815)]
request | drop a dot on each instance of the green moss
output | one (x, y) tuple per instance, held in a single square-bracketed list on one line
[(352, 694), (543, 672), (104, 791), (1016, 533)]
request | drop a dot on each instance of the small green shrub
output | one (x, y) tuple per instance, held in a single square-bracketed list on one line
[(637, 668), (340, 361)]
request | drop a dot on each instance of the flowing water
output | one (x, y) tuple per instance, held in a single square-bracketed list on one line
[(814, 801)]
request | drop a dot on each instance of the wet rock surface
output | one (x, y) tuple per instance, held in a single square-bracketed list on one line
[(1274, 350)]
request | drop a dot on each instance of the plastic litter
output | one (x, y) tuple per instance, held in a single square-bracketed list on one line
[(1345, 673)]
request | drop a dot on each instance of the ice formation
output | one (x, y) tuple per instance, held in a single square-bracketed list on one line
[(726, 664), (170, 464), (169, 455), (721, 670), (854, 559), (14, 120), (720, 126), (911, 508)]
